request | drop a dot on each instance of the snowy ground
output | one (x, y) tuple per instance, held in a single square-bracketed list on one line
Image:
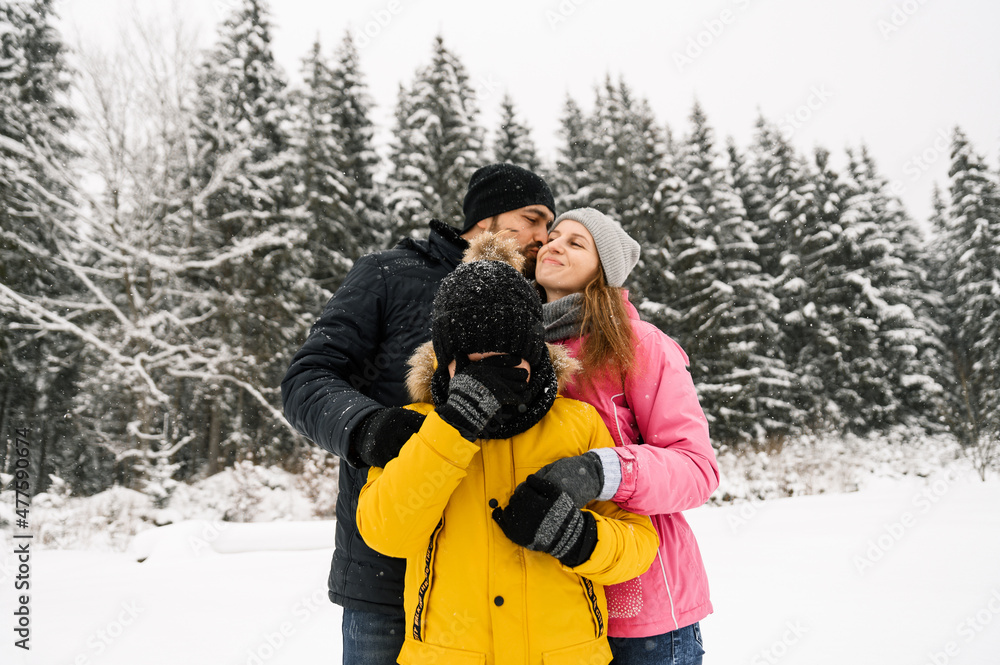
[(905, 572)]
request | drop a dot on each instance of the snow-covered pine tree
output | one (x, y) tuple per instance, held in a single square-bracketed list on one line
[(39, 374), (614, 160), (332, 141), (357, 159), (773, 190), (853, 332), (613, 142), (949, 412), (573, 179), (437, 145), (325, 190), (723, 301), (907, 342), (773, 196), (814, 302), (512, 142), (656, 214), (969, 260), (263, 299)]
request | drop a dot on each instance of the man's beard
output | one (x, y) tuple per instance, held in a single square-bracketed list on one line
[(529, 266), (529, 261)]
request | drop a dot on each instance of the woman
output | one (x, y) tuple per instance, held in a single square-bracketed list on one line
[(638, 380)]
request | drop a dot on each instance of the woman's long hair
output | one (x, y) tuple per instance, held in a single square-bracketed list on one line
[(608, 348)]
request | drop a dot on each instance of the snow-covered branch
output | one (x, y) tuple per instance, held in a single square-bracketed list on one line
[(210, 377)]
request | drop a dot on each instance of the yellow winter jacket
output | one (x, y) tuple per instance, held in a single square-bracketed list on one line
[(472, 595)]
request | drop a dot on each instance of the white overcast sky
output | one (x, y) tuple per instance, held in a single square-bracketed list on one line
[(893, 73)]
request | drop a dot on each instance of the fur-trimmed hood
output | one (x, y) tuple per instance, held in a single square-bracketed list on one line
[(423, 365)]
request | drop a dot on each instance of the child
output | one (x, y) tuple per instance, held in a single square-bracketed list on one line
[(520, 583)]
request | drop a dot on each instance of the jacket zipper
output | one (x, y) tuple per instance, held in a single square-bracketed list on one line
[(595, 606), (666, 585), (425, 586)]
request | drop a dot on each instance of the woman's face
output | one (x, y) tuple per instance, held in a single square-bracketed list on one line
[(568, 262)]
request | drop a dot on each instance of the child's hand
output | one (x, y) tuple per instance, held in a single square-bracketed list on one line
[(542, 517), (479, 389)]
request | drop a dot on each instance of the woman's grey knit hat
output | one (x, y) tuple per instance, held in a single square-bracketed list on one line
[(617, 250)]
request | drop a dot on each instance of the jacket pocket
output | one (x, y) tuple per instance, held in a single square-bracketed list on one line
[(422, 653), (625, 430), (625, 599), (423, 593), (596, 652)]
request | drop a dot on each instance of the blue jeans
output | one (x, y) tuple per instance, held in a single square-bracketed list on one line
[(678, 647), (372, 638)]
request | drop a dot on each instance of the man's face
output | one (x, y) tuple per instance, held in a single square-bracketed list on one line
[(529, 226)]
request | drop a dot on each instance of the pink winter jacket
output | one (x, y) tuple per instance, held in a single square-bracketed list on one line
[(674, 471)]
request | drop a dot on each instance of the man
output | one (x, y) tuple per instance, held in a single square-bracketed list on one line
[(345, 386)]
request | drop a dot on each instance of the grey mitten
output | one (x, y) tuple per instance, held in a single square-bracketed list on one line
[(541, 517), (596, 474), (479, 389)]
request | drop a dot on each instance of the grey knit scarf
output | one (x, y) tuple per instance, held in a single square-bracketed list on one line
[(563, 318)]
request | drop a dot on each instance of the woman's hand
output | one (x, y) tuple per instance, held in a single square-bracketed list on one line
[(592, 475)]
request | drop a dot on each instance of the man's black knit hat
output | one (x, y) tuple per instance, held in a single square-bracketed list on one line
[(500, 188)]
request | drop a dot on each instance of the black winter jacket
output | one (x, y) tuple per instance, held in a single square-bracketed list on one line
[(354, 362)]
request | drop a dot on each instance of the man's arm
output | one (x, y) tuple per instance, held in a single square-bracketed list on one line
[(320, 391), (399, 506)]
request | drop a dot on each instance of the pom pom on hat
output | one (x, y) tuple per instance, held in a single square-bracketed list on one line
[(494, 247)]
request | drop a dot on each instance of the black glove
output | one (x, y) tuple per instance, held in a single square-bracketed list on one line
[(582, 477), (381, 435), (479, 389), (541, 517)]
